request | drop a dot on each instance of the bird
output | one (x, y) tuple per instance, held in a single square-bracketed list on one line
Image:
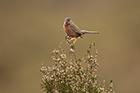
[(73, 32)]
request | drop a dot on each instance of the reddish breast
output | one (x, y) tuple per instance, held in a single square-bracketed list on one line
[(69, 32)]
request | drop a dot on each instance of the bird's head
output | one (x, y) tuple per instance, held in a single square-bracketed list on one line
[(67, 20)]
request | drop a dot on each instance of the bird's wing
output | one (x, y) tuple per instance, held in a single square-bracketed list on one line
[(75, 28)]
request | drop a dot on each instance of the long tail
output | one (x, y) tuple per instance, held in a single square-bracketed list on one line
[(89, 32)]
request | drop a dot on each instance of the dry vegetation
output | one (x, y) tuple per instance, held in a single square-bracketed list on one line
[(72, 75)]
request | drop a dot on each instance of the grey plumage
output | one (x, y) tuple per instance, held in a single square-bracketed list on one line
[(73, 30), (76, 29)]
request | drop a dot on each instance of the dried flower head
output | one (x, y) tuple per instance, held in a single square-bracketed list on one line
[(63, 56)]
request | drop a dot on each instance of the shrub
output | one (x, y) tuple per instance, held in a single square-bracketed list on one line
[(69, 74)]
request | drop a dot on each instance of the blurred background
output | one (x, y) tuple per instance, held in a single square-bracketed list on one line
[(31, 29)]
